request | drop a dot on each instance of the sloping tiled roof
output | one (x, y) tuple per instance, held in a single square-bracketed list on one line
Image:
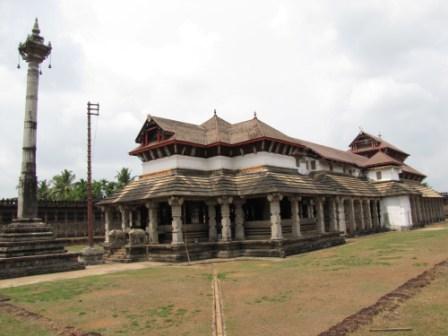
[(220, 183), (424, 190), (382, 143), (217, 130), (408, 169), (381, 159), (334, 154), (394, 188)]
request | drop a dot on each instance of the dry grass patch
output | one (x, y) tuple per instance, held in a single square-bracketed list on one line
[(158, 301), (306, 294)]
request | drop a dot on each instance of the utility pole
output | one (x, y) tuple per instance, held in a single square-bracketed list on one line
[(92, 110)]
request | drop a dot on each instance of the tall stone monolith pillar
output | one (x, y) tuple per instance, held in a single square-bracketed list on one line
[(28, 245)]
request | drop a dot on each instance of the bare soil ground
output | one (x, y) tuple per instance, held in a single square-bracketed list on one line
[(300, 295)]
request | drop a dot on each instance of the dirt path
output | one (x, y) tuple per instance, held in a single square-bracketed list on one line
[(386, 303), (90, 270), (218, 313)]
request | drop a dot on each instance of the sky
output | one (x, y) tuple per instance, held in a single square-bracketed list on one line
[(316, 70)]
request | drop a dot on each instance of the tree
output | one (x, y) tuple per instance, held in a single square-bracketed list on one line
[(63, 186), (43, 190), (79, 191), (123, 177)]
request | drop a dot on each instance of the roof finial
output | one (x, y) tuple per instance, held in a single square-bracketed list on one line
[(360, 129), (214, 111), (255, 114), (380, 135), (36, 29)]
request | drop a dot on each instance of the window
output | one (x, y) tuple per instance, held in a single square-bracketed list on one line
[(379, 175), (313, 165)]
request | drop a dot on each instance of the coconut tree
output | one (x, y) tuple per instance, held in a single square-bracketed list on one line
[(63, 186)]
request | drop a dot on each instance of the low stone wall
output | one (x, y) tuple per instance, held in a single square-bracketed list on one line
[(67, 219)]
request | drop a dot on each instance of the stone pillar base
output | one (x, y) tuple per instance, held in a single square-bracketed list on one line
[(91, 256), (28, 247)]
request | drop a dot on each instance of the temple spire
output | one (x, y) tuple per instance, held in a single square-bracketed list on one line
[(36, 30)]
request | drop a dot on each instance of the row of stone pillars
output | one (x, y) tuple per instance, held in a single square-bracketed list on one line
[(426, 210), (337, 217), (357, 215)]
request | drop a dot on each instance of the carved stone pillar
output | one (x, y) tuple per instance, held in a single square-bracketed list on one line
[(352, 216), (239, 219), (369, 215), (320, 214), (295, 216), (226, 232), (152, 227), (276, 220), (124, 217), (341, 215), (131, 218), (375, 217), (176, 224), (333, 215), (211, 212), (361, 215), (107, 221)]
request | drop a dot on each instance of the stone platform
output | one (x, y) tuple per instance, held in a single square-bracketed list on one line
[(28, 247), (232, 249)]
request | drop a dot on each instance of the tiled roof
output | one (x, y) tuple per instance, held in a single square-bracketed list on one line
[(259, 182), (382, 143), (381, 159)]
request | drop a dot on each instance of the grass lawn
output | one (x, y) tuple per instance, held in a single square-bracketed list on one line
[(299, 295), (11, 326), (426, 313)]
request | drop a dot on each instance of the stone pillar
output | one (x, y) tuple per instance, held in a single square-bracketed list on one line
[(239, 219), (361, 215), (352, 215), (176, 223), (295, 216), (124, 215), (131, 218), (34, 52), (419, 211), (369, 215), (320, 214), (211, 212), (341, 215), (333, 215), (226, 232), (375, 217), (107, 221), (152, 228), (276, 220)]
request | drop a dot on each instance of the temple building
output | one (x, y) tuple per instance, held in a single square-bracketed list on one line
[(223, 190)]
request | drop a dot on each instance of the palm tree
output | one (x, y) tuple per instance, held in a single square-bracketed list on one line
[(43, 190), (63, 186), (123, 177), (79, 191)]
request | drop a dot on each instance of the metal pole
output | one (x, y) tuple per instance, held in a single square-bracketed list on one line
[(92, 109)]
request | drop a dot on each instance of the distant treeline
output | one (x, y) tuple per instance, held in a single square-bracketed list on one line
[(64, 187)]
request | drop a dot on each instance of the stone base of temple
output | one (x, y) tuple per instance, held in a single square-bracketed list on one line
[(28, 247), (232, 249)]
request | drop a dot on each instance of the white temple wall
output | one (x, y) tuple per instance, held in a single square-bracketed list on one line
[(219, 162), (387, 174), (396, 212)]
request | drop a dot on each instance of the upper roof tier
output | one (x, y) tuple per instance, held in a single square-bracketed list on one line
[(157, 131)]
